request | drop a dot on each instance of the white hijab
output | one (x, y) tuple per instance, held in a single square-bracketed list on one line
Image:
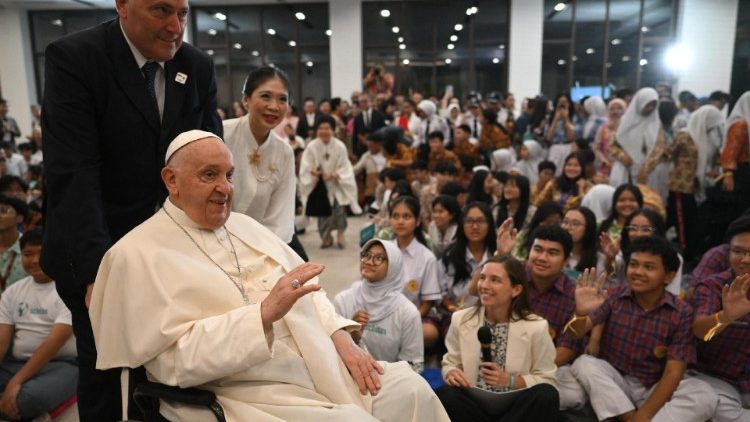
[(741, 111), (599, 200), (503, 160), (529, 167), (596, 109), (635, 130), (700, 123), (381, 298)]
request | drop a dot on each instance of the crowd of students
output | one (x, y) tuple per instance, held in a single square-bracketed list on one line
[(488, 217)]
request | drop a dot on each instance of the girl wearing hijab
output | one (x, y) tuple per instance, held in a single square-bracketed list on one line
[(689, 155), (599, 200), (596, 110), (657, 168), (529, 157), (635, 137), (605, 134), (503, 160), (431, 122), (391, 327), (735, 157)]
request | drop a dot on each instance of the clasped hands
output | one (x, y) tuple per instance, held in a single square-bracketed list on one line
[(489, 371)]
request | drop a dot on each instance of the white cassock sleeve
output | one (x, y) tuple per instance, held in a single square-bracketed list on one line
[(214, 348)]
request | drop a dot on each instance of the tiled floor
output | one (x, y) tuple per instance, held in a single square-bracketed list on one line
[(342, 266)]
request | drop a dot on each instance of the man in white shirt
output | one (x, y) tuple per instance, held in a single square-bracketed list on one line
[(216, 300)]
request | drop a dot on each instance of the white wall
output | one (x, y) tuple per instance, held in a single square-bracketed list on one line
[(16, 66), (346, 46), (525, 58), (708, 29)]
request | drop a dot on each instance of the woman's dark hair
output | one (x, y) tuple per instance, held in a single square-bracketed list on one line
[(453, 189), (476, 188), (335, 103), (660, 228), (543, 211), (522, 183), (260, 76), (655, 245), (571, 107), (738, 226), (589, 242), (566, 184), (490, 115), (613, 216), (539, 113), (456, 253), (393, 173), (520, 308), (667, 112), (402, 188), (325, 119), (392, 136), (451, 205), (413, 204)]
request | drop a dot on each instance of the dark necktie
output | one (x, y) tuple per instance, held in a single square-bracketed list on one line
[(367, 119), (149, 71), (476, 135)]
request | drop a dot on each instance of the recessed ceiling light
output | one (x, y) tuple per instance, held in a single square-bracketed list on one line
[(405, 61), (211, 31), (300, 16), (395, 29), (292, 43), (560, 6), (255, 53), (385, 13), (616, 41), (561, 62), (626, 58), (210, 52), (400, 39), (644, 29), (451, 46), (220, 16), (589, 51), (644, 62), (237, 46), (309, 64), (448, 61), (454, 37), (402, 46), (329, 32), (57, 22), (271, 31), (495, 60), (458, 27)]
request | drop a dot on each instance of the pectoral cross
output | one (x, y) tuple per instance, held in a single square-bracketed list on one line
[(325, 156)]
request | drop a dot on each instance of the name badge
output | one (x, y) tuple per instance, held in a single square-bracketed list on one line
[(180, 78)]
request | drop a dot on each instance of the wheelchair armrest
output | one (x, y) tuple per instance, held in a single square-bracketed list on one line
[(147, 395), (191, 396)]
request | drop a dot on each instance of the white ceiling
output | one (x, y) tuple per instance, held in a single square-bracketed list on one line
[(109, 4)]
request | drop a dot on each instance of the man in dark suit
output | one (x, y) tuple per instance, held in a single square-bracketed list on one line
[(115, 96), (308, 120), (369, 120)]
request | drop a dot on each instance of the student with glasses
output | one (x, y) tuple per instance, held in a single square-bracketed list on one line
[(642, 223), (391, 327), (580, 223)]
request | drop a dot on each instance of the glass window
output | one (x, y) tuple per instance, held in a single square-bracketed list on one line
[(429, 45), (611, 44), (252, 36), (48, 26)]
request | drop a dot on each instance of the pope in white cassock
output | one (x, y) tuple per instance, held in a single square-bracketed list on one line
[(201, 296)]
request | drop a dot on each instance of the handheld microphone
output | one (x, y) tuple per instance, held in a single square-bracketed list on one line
[(485, 339)]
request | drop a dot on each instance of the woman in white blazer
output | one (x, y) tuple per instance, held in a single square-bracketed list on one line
[(521, 350)]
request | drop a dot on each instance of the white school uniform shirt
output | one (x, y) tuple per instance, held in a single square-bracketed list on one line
[(33, 308), (420, 269), (395, 338), (459, 294)]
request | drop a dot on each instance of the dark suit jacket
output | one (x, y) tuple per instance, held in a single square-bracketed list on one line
[(377, 121), (303, 128), (104, 145)]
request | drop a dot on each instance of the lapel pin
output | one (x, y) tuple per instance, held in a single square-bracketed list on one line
[(180, 78)]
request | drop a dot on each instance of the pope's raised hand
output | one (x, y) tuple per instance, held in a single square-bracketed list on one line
[(288, 289), (588, 291)]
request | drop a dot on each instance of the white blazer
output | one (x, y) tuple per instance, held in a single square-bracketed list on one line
[(530, 353)]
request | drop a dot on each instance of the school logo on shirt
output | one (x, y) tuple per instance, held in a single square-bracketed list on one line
[(412, 286), (23, 309), (660, 351), (376, 329)]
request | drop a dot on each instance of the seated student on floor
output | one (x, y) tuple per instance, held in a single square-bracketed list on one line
[(521, 350), (391, 327), (40, 372), (722, 325), (551, 294), (646, 343)]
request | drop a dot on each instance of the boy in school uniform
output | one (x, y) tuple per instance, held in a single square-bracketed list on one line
[(646, 345), (40, 371), (722, 326)]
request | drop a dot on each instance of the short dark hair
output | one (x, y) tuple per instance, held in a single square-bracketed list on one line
[(436, 134), (450, 204), (32, 237), (18, 205), (325, 119), (655, 245), (419, 165), (26, 146), (719, 96), (555, 233), (465, 128), (738, 226), (546, 165), (8, 180), (6, 145), (261, 75), (444, 167), (392, 173), (453, 189)]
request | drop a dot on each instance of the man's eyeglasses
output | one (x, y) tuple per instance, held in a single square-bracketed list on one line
[(739, 252), (376, 259)]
